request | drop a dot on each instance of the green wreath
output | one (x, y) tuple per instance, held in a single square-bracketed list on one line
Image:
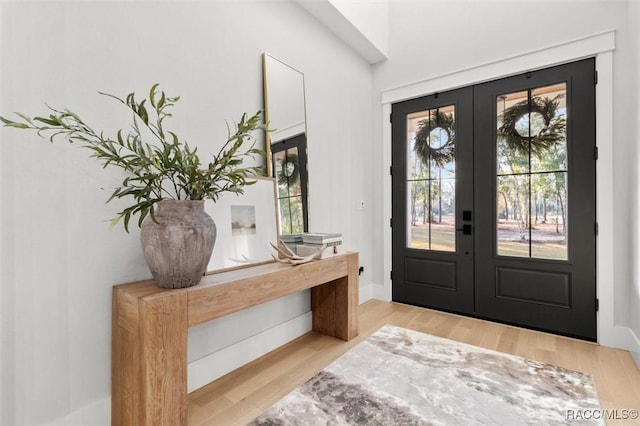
[(552, 132), (288, 172), (440, 155)]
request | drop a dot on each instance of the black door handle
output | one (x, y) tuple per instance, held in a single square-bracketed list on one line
[(466, 229)]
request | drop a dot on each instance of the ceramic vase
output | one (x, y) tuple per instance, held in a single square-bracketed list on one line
[(178, 244)]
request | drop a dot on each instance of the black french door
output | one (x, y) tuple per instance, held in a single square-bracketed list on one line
[(494, 200), (289, 165), (432, 185)]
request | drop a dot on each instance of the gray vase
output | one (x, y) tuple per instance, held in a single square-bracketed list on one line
[(179, 245)]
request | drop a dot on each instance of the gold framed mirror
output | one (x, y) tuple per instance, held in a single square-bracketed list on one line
[(286, 141)]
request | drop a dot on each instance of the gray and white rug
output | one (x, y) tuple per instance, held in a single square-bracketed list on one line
[(403, 377)]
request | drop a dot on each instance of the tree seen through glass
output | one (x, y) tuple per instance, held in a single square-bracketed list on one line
[(532, 173), (431, 179)]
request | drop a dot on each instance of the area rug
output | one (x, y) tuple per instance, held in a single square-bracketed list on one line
[(403, 377)]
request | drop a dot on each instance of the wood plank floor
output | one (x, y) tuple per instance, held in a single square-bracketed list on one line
[(240, 396)]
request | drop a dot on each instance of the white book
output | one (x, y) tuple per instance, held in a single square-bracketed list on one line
[(321, 237), (305, 250)]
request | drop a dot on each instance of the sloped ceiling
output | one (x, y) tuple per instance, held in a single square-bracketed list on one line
[(363, 25)]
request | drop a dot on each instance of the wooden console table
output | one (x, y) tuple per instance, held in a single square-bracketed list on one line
[(149, 327)]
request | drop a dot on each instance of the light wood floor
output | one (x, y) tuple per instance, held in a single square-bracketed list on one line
[(242, 395)]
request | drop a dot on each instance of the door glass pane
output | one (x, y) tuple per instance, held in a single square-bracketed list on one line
[(549, 230), (512, 158), (513, 215), (531, 149), (431, 179), (287, 173)]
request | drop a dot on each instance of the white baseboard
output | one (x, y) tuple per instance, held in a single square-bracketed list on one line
[(213, 366), (98, 413), (636, 357), (381, 292), (625, 338), (365, 293)]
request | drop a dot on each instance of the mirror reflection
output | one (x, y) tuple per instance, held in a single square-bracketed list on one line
[(286, 143)]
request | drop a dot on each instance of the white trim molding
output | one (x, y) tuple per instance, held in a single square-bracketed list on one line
[(569, 51), (601, 47)]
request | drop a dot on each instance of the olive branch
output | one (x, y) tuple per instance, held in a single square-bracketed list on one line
[(167, 168)]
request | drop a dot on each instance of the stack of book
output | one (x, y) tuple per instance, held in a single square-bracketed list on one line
[(291, 238), (312, 242)]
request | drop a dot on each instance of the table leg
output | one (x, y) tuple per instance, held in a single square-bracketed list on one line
[(335, 305), (149, 377)]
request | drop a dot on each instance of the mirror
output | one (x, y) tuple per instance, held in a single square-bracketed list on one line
[(286, 142)]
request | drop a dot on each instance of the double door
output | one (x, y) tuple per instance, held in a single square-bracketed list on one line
[(494, 200)]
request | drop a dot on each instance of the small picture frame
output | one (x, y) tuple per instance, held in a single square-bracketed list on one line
[(245, 225)]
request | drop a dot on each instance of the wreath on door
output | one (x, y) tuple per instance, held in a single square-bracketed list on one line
[(442, 154), (288, 172), (552, 127)]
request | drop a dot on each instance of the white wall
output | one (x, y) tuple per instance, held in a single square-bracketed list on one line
[(60, 256), (4, 326), (634, 294), (429, 40)]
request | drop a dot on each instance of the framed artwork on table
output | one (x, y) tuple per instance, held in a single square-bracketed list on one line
[(245, 225)]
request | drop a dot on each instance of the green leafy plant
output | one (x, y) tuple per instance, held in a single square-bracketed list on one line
[(168, 168)]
